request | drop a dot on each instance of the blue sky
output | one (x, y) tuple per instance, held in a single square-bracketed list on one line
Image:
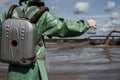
[(105, 12)]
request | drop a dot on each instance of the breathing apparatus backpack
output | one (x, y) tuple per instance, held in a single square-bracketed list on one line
[(18, 36)]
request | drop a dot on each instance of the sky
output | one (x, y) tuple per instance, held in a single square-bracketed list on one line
[(105, 12)]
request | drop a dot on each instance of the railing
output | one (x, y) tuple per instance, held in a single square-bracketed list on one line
[(105, 39)]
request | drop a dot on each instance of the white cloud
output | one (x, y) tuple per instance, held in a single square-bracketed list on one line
[(54, 9), (113, 24), (98, 16), (110, 5), (81, 7), (115, 18), (4, 3), (115, 15), (107, 25)]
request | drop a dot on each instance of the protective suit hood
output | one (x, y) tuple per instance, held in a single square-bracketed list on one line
[(27, 1)]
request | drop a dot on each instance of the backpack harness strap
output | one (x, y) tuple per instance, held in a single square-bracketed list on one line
[(10, 11), (30, 11), (37, 15), (20, 13)]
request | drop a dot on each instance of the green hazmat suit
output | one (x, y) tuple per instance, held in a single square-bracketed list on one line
[(47, 25)]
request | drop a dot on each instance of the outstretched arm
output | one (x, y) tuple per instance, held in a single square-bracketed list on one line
[(54, 26)]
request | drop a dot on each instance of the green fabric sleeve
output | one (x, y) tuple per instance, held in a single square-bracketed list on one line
[(54, 26)]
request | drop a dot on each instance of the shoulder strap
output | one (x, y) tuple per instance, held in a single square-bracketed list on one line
[(34, 19), (37, 15), (20, 13), (30, 11), (10, 11)]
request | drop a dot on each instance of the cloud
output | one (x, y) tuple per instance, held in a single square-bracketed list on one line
[(115, 15), (115, 18), (110, 5), (54, 9), (81, 7), (113, 24), (4, 3), (97, 16)]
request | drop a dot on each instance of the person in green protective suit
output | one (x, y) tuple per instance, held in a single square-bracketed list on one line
[(47, 25)]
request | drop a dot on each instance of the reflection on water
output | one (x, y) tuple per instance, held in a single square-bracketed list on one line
[(68, 61), (83, 62)]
